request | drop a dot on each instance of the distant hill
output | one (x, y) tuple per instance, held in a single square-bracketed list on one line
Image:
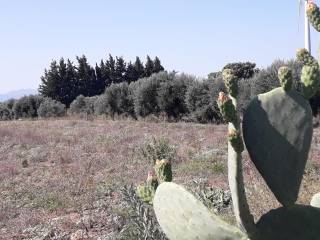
[(17, 94)]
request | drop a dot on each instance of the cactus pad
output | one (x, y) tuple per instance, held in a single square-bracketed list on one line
[(277, 129), (183, 217), (295, 223), (145, 193), (310, 78), (285, 77), (163, 170), (313, 13), (315, 201)]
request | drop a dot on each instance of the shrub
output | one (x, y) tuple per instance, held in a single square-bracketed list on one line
[(51, 108), (145, 92), (198, 102), (158, 149), (101, 105), (118, 99), (171, 94), (10, 103), (141, 223), (5, 113), (26, 107), (78, 105), (83, 105)]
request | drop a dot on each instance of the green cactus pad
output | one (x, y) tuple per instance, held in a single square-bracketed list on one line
[(310, 78), (285, 77), (298, 222), (304, 57), (315, 201), (163, 170), (313, 13), (277, 130), (183, 217), (231, 81), (145, 193)]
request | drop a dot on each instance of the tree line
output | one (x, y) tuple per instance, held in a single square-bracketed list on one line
[(64, 80), (163, 94)]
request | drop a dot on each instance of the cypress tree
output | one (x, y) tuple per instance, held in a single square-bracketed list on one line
[(139, 68), (120, 70), (86, 77), (149, 67), (131, 74), (58, 83), (100, 81), (157, 65), (110, 68)]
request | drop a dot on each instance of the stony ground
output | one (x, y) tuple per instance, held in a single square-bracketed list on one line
[(60, 179)]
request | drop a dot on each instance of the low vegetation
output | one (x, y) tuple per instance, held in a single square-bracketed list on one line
[(64, 178)]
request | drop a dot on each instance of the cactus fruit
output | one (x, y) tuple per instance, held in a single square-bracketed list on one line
[(183, 217), (273, 126), (315, 201), (226, 107), (163, 170), (285, 77), (152, 180), (231, 82), (313, 13)]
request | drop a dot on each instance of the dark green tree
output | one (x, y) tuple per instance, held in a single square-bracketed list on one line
[(86, 77), (157, 67), (139, 68), (131, 74), (50, 82), (59, 82), (120, 70), (110, 69), (149, 67), (100, 83)]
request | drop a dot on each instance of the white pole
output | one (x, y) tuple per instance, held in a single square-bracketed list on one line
[(307, 41)]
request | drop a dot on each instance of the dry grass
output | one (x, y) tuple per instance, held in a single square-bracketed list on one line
[(65, 173)]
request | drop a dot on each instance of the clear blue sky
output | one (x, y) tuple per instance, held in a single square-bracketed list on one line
[(192, 36)]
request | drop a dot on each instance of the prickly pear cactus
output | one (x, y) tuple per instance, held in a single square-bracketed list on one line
[(273, 126), (313, 13), (226, 107), (163, 170), (295, 223), (277, 130), (315, 201), (146, 192), (183, 217), (285, 77)]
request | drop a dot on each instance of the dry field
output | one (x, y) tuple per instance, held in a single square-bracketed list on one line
[(60, 179)]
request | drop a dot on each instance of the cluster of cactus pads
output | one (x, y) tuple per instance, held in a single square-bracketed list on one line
[(161, 173), (277, 132)]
